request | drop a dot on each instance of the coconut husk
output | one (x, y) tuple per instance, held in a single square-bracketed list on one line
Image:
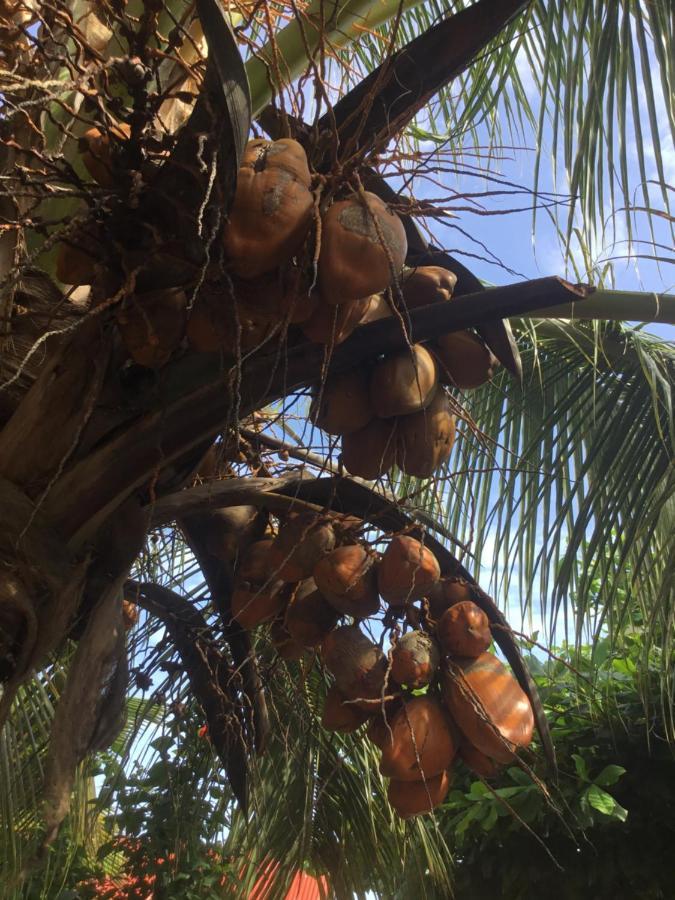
[(371, 451), (426, 438), (489, 706), (407, 570), (363, 247), (403, 383), (347, 579), (414, 798), (272, 209), (152, 325), (427, 284), (333, 325), (301, 543), (415, 659), (423, 744), (463, 359), (464, 630), (344, 403)]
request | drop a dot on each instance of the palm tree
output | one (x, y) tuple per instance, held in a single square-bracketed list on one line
[(93, 453)]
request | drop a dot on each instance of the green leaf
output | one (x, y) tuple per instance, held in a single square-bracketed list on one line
[(605, 803), (580, 766), (609, 775)]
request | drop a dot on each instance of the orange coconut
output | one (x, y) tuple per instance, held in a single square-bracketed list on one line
[(363, 246), (463, 360), (426, 438), (99, 149), (333, 325), (309, 616), (403, 383), (340, 716), (427, 284), (371, 451), (423, 743), (449, 590), (412, 798), (258, 596), (272, 208), (406, 571), (284, 644), (344, 403), (464, 630), (357, 664), (414, 659), (302, 541), (152, 325), (489, 706), (476, 761), (347, 579)]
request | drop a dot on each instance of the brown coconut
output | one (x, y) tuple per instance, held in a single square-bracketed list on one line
[(423, 743), (231, 530), (357, 664), (333, 325), (215, 323), (152, 325), (284, 644), (403, 383), (489, 706), (99, 150), (258, 596), (78, 254), (413, 798), (426, 438), (447, 591), (378, 308), (347, 579), (414, 659), (309, 616), (272, 209), (344, 403), (427, 284), (363, 247), (378, 728), (338, 716), (464, 630), (277, 296), (302, 541), (406, 571), (371, 451), (476, 761), (463, 360)]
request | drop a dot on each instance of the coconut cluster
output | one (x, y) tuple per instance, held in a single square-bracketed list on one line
[(296, 263), (438, 694)]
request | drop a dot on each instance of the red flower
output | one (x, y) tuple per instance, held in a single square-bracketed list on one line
[(203, 731)]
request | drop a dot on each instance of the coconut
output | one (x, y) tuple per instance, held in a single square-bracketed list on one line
[(357, 664), (464, 630), (277, 296), (423, 745), (284, 644), (489, 706), (403, 383), (152, 325), (414, 659), (302, 541), (333, 325), (77, 256), (347, 579), (129, 614), (98, 150), (371, 451), (338, 716), (412, 798), (215, 322), (309, 616), (232, 529), (345, 403), (378, 728), (425, 438), (378, 308), (406, 571), (272, 208), (476, 761), (447, 591), (427, 284), (463, 360), (363, 246), (258, 596)]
